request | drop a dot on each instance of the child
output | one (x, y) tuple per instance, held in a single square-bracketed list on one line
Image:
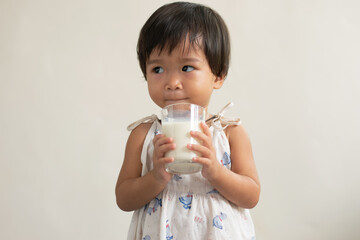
[(184, 51)]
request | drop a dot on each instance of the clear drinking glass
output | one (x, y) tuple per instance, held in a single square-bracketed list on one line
[(177, 121)]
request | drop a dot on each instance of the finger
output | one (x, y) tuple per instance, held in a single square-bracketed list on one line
[(160, 150), (202, 138), (203, 161), (205, 128), (157, 137), (165, 148), (166, 160), (201, 150), (161, 162), (158, 141)]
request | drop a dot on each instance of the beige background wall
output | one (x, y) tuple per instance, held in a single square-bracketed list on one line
[(70, 84)]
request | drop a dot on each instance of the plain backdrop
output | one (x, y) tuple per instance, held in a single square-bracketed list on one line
[(70, 84)]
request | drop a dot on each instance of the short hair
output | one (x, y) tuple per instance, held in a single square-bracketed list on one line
[(173, 23)]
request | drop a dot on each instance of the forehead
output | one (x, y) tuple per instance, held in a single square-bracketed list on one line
[(183, 48)]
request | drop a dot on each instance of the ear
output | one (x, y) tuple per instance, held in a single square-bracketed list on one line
[(218, 82)]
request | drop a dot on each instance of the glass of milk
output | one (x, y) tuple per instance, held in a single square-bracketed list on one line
[(177, 121)]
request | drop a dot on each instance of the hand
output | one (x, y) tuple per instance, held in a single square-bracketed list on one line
[(162, 144), (206, 150)]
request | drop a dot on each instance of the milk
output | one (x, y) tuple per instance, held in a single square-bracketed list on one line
[(180, 132)]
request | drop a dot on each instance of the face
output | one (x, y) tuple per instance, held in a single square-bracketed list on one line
[(183, 76)]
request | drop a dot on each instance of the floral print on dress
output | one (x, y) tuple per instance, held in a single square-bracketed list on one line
[(217, 220), (157, 204), (186, 200), (225, 159), (156, 132), (177, 177), (168, 232)]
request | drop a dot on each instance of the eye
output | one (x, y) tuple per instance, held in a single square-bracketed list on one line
[(187, 68), (158, 69)]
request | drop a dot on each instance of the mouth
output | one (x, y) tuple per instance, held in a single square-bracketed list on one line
[(173, 101)]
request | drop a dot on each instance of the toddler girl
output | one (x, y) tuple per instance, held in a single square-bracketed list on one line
[(184, 52)]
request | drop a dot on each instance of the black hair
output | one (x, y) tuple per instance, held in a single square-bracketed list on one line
[(177, 22)]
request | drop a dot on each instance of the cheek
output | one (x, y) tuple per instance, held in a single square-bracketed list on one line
[(200, 92), (202, 86), (151, 90), (154, 92)]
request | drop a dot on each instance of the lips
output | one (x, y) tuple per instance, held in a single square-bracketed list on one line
[(175, 96), (177, 100)]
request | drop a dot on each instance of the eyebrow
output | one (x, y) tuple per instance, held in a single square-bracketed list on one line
[(153, 61), (185, 59), (190, 59)]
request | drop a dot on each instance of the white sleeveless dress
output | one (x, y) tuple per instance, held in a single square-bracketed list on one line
[(189, 207)]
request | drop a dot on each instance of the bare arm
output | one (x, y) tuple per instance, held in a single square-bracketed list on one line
[(133, 190), (240, 185)]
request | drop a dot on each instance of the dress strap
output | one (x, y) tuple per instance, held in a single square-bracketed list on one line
[(224, 120), (148, 119)]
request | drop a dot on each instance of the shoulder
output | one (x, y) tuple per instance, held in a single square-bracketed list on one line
[(134, 146), (132, 166), (242, 159), (136, 139), (139, 133), (237, 134)]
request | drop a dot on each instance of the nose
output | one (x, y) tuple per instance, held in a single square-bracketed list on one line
[(173, 82)]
